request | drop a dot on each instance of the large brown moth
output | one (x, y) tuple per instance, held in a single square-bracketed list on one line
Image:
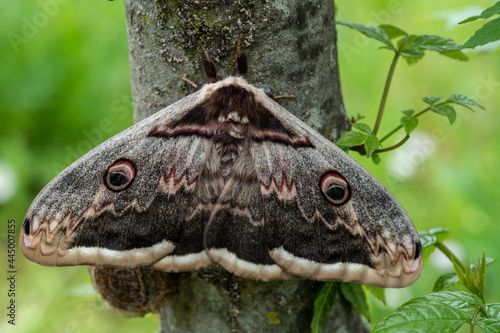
[(224, 176)]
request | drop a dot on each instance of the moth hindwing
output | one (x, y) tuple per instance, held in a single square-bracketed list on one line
[(224, 176)]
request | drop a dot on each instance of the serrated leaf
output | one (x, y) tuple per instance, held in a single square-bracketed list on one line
[(440, 233), (408, 112), (356, 296), (461, 300), (323, 303), (363, 128), (438, 312), (351, 139), (434, 43), (393, 31), (464, 101), (469, 19), (428, 240), (463, 275), (456, 54), (490, 32), (409, 123), (495, 9), (411, 61), (431, 100), (376, 158), (430, 237), (371, 144), (415, 47), (411, 54), (445, 110), (371, 31), (450, 279), (488, 325), (493, 310), (445, 281), (378, 293)]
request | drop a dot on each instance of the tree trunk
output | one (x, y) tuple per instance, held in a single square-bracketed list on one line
[(292, 50)]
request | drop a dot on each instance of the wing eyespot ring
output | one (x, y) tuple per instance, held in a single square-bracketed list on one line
[(119, 175), (335, 188)]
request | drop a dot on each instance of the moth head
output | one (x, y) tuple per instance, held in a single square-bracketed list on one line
[(119, 175), (334, 188)]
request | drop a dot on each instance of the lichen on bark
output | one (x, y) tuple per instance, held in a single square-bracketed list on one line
[(290, 44)]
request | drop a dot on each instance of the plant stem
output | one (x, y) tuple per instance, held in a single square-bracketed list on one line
[(397, 145), (447, 252), (473, 319), (397, 128), (386, 92), (391, 133)]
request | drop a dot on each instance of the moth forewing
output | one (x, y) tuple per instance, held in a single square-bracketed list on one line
[(225, 176)]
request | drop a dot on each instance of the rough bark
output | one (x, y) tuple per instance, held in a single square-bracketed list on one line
[(291, 49)]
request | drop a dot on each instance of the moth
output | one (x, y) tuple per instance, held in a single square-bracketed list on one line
[(224, 176)]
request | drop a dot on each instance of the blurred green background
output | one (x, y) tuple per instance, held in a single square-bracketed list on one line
[(64, 70)]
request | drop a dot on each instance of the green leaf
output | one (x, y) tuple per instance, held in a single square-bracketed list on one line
[(379, 293), (490, 32), (393, 31), (488, 325), (434, 43), (415, 47), (445, 110), (445, 281), (469, 19), (456, 54), (350, 139), (371, 144), (428, 238), (493, 310), (371, 31), (356, 296), (376, 158), (443, 311), (408, 112), (450, 279), (464, 101), (412, 52), (323, 304), (495, 9), (409, 123), (463, 276), (431, 100), (363, 128)]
